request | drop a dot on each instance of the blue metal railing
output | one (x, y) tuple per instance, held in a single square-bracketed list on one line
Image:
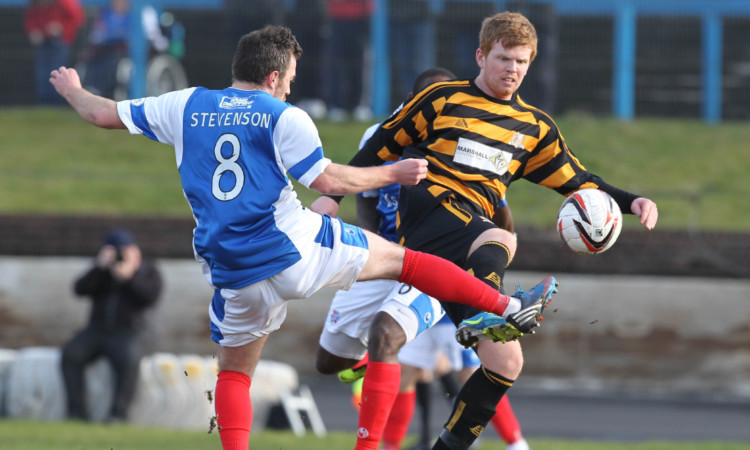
[(624, 12)]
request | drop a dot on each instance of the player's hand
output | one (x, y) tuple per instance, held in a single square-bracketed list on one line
[(65, 80), (646, 210), (325, 205), (409, 171)]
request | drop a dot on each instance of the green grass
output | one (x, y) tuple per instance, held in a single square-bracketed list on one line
[(24, 435), (51, 162)]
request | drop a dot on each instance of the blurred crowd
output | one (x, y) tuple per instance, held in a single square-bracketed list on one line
[(335, 79), (337, 67), (54, 26)]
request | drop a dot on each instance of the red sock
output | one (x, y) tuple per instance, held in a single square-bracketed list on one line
[(399, 419), (379, 391), (440, 278), (505, 421), (234, 412)]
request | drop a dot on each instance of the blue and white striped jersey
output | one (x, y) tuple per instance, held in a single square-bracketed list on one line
[(234, 149)]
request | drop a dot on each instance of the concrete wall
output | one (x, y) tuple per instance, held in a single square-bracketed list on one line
[(614, 332), (38, 306)]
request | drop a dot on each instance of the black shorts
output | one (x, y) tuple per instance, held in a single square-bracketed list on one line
[(436, 221)]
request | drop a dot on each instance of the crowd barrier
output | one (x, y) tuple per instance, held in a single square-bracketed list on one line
[(174, 391)]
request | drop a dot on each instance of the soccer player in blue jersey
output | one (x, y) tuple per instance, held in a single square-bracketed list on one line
[(259, 247)]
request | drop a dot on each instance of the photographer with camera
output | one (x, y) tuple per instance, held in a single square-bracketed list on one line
[(123, 288)]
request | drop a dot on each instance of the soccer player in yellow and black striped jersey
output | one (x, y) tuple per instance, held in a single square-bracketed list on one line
[(479, 136)]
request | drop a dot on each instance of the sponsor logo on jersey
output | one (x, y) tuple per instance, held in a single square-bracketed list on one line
[(483, 157), (389, 201), (237, 102), (335, 316), (517, 139)]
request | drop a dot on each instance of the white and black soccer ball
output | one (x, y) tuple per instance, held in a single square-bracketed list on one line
[(589, 221)]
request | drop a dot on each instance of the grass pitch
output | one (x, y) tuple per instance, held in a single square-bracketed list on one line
[(22, 435), (52, 162)]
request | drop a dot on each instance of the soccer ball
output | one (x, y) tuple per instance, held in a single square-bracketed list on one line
[(589, 221)]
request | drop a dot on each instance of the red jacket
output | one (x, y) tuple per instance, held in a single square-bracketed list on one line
[(68, 13), (349, 9)]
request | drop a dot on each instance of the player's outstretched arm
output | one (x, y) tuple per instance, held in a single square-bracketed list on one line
[(343, 179), (94, 109), (646, 210)]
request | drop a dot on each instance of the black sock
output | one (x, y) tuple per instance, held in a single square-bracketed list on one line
[(488, 263), (473, 409), (450, 385), (424, 401)]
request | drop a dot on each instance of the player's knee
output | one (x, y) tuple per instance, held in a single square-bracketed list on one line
[(503, 237), (386, 338), (325, 364), (508, 361), (513, 365)]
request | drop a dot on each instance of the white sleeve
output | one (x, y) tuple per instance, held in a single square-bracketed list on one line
[(298, 145), (158, 118)]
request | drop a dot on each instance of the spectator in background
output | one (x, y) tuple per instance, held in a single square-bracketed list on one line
[(347, 49), (458, 34), (540, 86), (412, 42), (309, 19), (52, 27), (108, 45), (244, 16), (123, 288)]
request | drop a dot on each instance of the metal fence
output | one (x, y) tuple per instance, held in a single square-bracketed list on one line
[(628, 58)]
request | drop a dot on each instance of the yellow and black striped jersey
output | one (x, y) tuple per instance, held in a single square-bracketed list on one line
[(476, 145)]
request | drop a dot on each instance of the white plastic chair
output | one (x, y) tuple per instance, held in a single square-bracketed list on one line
[(199, 380), (149, 397), (7, 356), (35, 389), (170, 380)]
